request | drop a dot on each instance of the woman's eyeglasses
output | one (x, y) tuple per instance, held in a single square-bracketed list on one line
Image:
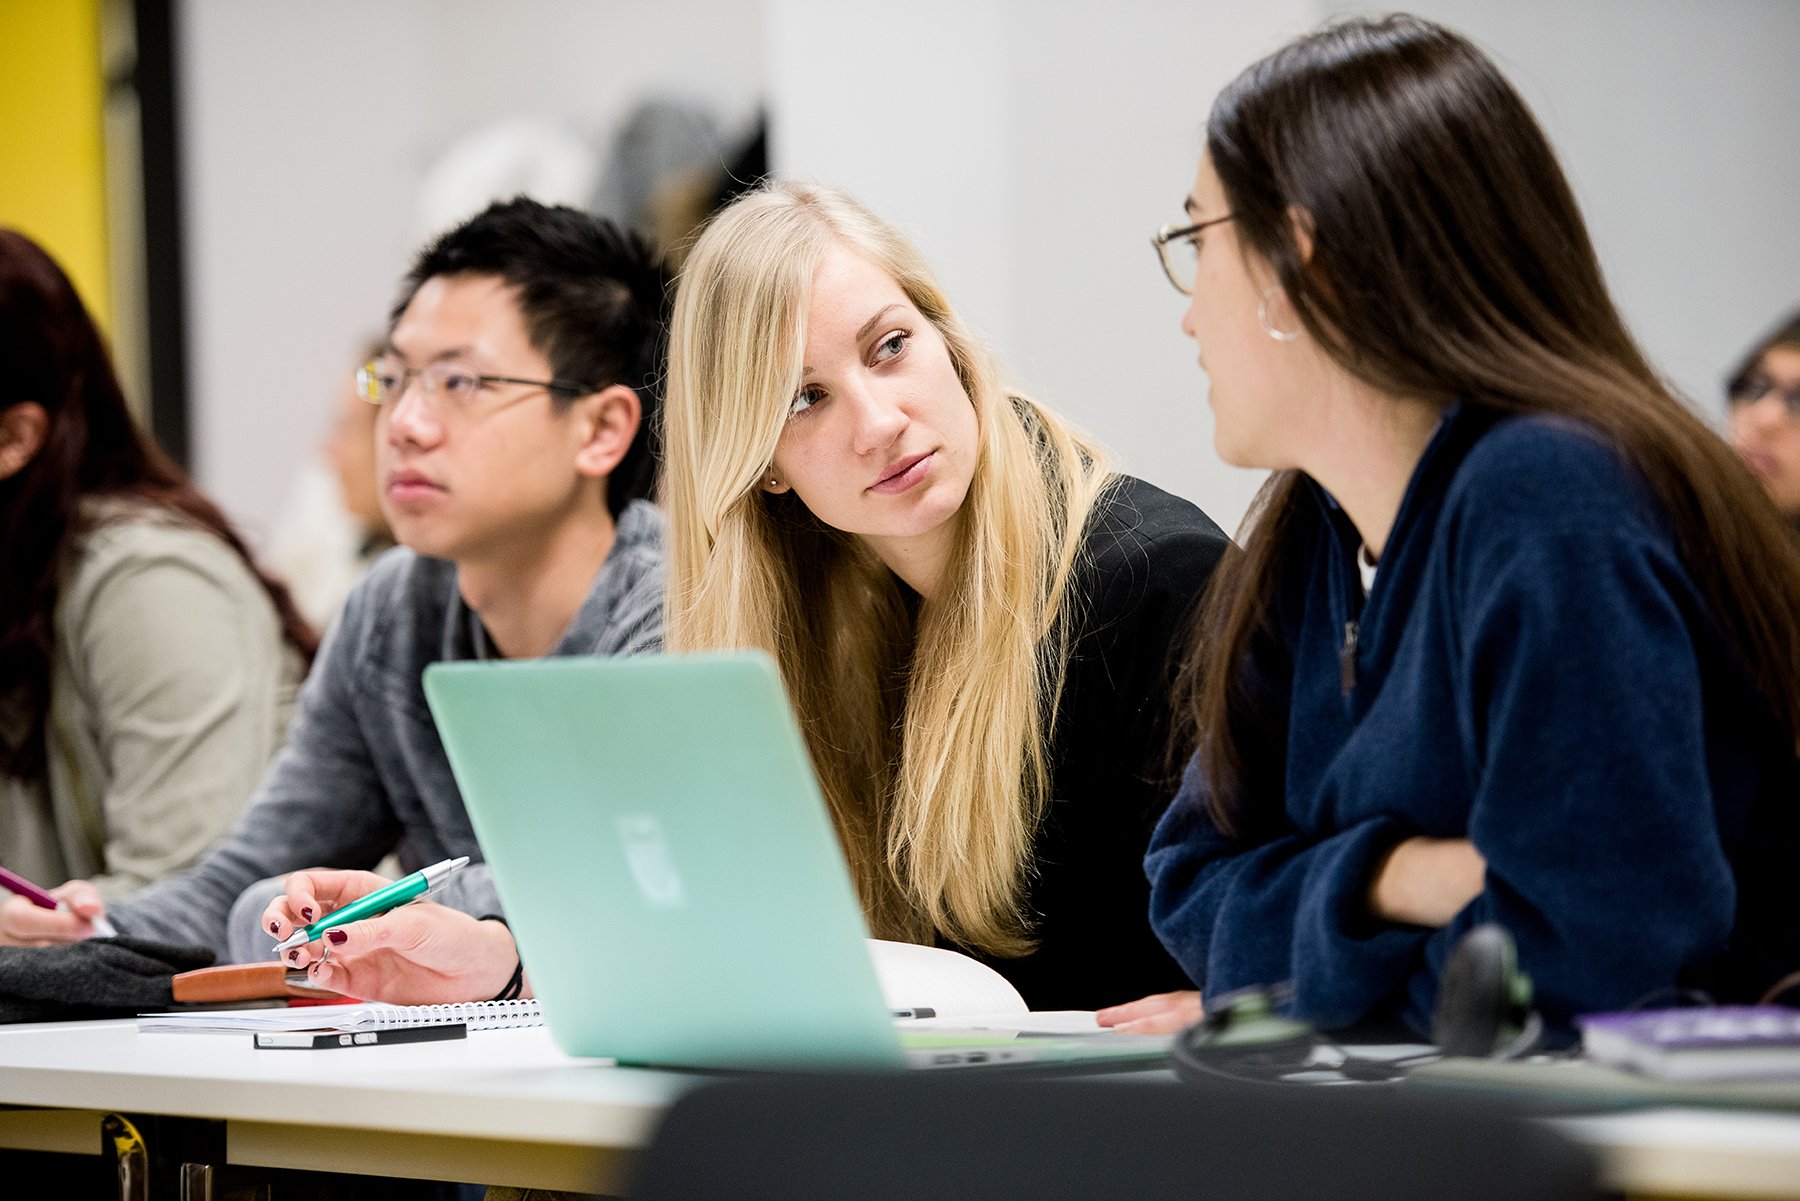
[(1179, 252), (1753, 388)]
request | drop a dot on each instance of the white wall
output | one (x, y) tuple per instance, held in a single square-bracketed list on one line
[(1030, 147), (295, 207), (307, 128)]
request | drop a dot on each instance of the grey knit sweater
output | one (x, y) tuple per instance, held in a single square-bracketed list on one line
[(363, 772)]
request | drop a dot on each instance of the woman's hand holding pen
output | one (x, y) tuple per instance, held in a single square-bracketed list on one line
[(419, 954), (23, 924)]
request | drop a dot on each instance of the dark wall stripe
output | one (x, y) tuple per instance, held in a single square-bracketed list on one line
[(166, 308)]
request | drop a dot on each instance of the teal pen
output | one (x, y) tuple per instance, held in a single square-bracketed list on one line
[(407, 888)]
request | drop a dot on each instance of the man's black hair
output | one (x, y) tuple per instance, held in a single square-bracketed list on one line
[(595, 302)]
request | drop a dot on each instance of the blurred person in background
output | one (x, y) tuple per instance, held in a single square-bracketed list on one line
[(148, 668), (331, 527), (350, 448), (1764, 415)]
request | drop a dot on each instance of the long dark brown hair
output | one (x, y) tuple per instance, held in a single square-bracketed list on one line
[(51, 355), (1450, 261)]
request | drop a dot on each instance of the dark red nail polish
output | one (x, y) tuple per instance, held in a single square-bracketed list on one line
[(275, 928), (294, 955), (306, 914), (337, 938)]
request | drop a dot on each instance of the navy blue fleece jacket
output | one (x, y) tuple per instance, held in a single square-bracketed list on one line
[(1535, 670)]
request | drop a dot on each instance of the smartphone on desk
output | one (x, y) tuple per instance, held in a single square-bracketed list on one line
[(325, 1040)]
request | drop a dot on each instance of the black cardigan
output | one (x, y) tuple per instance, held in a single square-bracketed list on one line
[(1146, 557)]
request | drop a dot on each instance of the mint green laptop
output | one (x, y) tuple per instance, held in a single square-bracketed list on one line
[(670, 871)]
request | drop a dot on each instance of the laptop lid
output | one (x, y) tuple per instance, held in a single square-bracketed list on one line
[(666, 859)]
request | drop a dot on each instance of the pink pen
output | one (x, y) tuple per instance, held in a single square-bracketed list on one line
[(13, 882)]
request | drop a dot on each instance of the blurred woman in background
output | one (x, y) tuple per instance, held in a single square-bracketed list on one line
[(1764, 395)]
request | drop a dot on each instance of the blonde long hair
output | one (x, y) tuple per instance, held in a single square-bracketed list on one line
[(927, 725)]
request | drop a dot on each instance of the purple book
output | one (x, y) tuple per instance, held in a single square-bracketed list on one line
[(1716, 1042)]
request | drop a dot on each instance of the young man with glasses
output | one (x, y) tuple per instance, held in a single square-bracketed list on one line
[(515, 393)]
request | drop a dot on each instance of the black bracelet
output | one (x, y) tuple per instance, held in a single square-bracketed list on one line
[(515, 984)]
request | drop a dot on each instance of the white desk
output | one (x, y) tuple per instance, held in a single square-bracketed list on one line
[(506, 1107), (500, 1107), (1696, 1152)]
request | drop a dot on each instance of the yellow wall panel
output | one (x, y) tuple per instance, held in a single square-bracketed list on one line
[(52, 153)]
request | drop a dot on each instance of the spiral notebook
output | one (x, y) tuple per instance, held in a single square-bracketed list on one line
[(363, 1015)]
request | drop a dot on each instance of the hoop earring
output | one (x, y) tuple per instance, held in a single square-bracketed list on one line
[(1262, 317)]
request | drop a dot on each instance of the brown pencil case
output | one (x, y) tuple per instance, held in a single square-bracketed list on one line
[(248, 982)]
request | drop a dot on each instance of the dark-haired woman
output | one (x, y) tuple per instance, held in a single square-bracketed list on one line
[(147, 668), (1764, 394), (1513, 637)]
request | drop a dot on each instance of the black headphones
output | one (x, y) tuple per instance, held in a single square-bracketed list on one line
[(1484, 1001), (1483, 1010)]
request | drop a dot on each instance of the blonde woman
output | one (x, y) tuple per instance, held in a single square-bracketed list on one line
[(973, 615)]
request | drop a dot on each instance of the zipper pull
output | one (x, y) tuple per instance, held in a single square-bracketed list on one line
[(1347, 658)]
